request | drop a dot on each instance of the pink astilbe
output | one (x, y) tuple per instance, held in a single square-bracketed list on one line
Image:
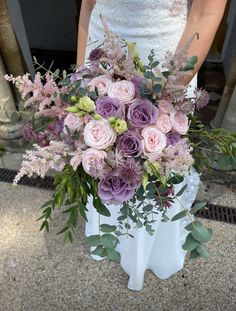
[(40, 97), (76, 159), (41, 159), (176, 158)]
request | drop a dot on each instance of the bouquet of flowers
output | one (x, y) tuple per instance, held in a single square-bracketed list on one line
[(122, 133)]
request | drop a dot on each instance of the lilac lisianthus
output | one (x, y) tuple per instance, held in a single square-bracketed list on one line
[(129, 144), (78, 75), (142, 113), (173, 138), (113, 189), (110, 107)]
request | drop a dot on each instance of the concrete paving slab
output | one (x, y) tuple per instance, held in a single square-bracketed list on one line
[(38, 272)]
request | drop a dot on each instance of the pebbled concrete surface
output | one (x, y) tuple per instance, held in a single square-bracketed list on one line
[(38, 272)]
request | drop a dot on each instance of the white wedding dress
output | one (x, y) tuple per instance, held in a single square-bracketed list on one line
[(158, 25)]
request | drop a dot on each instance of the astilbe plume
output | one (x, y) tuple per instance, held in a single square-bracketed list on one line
[(115, 55), (41, 159), (41, 98)]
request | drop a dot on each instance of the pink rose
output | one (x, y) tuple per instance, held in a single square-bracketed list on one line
[(154, 141), (73, 122), (93, 161), (123, 90), (98, 134), (165, 106), (102, 83), (163, 123), (179, 122)]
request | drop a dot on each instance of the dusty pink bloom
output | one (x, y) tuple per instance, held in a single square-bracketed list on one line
[(73, 122), (123, 90), (93, 162), (179, 121), (154, 141), (201, 98), (165, 106), (102, 83), (98, 134), (163, 123)]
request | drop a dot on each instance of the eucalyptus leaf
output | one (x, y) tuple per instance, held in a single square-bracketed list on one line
[(107, 228), (190, 243), (93, 240), (98, 250), (196, 207), (181, 191), (194, 254), (113, 255), (202, 250), (108, 240), (202, 234), (180, 215)]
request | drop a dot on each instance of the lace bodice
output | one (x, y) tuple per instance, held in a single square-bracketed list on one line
[(153, 24)]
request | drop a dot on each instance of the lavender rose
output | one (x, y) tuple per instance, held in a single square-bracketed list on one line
[(114, 190), (173, 138), (130, 144), (142, 113), (110, 107)]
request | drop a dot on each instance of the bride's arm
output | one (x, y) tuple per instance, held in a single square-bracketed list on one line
[(204, 18), (85, 12)]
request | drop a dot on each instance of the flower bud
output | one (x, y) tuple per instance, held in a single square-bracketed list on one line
[(120, 126)]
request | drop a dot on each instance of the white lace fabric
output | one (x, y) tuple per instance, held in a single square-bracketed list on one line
[(154, 24)]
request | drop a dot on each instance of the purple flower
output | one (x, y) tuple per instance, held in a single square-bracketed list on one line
[(75, 77), (29, 134), (137, 81), (80, 72), (173, 138), (142, 113), (129, 144), (114, 190), (110, 107), (131, 172), (96, 54)]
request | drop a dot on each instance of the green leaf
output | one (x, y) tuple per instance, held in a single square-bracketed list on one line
[(202, 234), (98, 250), (101, 208), (45, 225), (181, 191), (155, 64), (68, 130), (149, 75), (192, 225), (176, 179), (147, 208), (56, 72), (63, 230), (108, 240), (202, 250), (196, 207), (180, 215), (194, 254), (93, 240), (15, 118), (113, 255), (190, 243), (107, 228), (157, 88), (166, 74)]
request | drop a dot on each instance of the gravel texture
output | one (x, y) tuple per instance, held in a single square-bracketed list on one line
[(38, 272)]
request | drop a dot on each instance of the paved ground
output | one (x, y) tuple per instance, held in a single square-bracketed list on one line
[(39, 273)]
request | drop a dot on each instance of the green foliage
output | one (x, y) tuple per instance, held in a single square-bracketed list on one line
[(212, 147)]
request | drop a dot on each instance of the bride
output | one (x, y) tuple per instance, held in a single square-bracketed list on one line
[(160, 25)]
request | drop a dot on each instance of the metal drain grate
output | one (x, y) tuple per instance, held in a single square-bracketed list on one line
[(212, 211), (219, 213), (8, 176)]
